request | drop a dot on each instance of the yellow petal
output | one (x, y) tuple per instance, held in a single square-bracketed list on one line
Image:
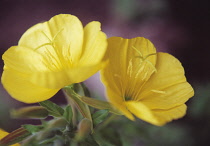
[(3, 134), (24, 60), (119, 103), (168, 87), (156, 117), (112, 74), (142, 112), (169, 97), (18, 86), (95, 44), (65, 77), (168, 115), (64, 31)]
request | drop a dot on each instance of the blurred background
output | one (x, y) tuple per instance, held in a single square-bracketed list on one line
[(181, 28)]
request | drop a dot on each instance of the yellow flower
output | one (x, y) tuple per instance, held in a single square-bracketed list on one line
[(3, 134), (52, 55), (152, 86)]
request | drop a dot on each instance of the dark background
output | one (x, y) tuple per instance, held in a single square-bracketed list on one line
[(181, 28)]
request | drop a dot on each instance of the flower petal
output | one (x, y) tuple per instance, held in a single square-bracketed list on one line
[(24, 60), (95, 44), (169, 97), (168, 115), (142, 112), (119, 103), (64, 77), (167, 87), (113, 74), (3, 133), (19, 87), (64, 32), (156, 117)]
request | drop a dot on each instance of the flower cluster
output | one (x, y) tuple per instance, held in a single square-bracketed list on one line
[(58, 53)]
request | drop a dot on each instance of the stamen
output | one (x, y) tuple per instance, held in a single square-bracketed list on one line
[(57, 34), (46, 36), (130, 68), (158, 91), (120, 81), (139, 71), (43, 46), (138, 51), (142, 58)]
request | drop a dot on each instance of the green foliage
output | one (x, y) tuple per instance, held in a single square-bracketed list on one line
[(68, 114), (52, 108), (59, 128), (100, 116), (33, 128)]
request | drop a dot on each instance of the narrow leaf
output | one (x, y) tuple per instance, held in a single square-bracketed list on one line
[(81, 89), (33, 128), (52, 108), (68, 114), (75, 98), (100, 116)]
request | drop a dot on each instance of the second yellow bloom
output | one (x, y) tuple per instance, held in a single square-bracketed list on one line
[(141, 82)]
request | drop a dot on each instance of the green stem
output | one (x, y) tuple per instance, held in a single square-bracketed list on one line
[(71, 103), (73, 98)]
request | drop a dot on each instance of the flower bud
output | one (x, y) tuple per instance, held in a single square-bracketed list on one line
[(30, 112), (84, 128)]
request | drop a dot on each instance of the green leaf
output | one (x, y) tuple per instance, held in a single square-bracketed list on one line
[(100, 116), (81, 89), (52, 108), (15, 136), (68, 114), (33, 128)]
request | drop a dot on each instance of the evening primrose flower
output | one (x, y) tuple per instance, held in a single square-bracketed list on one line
[(52, 55), (141, 82), (3, 134)]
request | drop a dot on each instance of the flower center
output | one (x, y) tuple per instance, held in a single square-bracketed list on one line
[(128, 98)]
